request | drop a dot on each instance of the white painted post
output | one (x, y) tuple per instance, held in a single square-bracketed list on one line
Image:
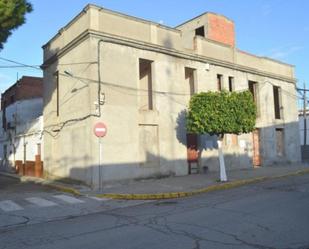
[(223, 177)]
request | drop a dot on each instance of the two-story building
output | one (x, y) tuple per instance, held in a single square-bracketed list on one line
[(21, 122), (137, 77)]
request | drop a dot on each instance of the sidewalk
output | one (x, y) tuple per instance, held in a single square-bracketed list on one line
[(174, 187), (181, 186)]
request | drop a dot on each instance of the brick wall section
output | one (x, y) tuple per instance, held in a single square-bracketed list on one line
[(25, 88), (221, 29)]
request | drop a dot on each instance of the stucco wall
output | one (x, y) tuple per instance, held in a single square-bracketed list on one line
[(143, 143)]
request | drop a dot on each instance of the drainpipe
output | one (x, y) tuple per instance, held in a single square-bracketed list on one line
[(99, 77)]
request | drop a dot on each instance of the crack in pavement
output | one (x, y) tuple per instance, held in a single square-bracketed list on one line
[(234, 236), (24, 222)]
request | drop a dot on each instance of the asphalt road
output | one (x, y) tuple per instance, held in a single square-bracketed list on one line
[(272, 214)]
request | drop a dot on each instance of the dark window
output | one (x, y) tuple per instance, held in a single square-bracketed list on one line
[(200, 31), (4, 118), (253, 88), (277, 100), (12, 99), (231, 84), (145, 84), (5, 151), (219, 82), (189, 76)]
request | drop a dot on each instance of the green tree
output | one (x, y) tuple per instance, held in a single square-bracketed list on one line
[(219, 113), (12, 15)]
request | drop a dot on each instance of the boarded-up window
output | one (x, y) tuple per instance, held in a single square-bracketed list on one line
[(219, 82), (280, 142), (148, 145), (277, 102), (145, 85), (230, 140), (190, 80), (38, 149), (234, 139), (256, 159)]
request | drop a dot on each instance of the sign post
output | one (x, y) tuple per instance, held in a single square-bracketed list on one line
[(100, 131)]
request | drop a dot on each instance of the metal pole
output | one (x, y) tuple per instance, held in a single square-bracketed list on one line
[(100, 162), (305, 115)]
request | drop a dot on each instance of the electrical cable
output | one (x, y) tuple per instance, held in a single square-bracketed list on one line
[(19, 63), (38, 67)]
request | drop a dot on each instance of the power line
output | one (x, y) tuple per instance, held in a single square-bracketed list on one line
[(17, 66), (115, 85), (21, 64), (38, 67), (303, 89)]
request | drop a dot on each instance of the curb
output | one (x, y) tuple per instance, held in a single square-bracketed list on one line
[(43, 182), (222, 186), (63, 189), (156, 196)]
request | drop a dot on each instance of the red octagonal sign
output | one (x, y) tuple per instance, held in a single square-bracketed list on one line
[(100, 129)]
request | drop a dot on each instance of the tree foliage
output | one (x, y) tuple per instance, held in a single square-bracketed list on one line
[(217, 113), (12, 15)]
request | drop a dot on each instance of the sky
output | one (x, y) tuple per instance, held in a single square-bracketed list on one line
[(278, 29)]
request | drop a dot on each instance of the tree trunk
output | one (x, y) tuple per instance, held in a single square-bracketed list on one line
[(223, 177)]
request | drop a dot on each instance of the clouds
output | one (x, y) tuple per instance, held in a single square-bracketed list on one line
[(284, 52)]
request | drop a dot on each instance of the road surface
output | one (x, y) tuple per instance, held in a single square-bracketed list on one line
[(272, 214)]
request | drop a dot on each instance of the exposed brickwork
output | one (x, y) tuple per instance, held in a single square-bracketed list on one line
[(221, 29), (25, 88)]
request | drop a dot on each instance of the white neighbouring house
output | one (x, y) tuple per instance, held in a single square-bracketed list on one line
[(21, 122)]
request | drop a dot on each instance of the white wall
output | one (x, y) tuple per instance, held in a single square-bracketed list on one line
[(26, 119), (31, 139), (24, 111)]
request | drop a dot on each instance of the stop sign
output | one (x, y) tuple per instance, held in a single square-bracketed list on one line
[(100, 129)]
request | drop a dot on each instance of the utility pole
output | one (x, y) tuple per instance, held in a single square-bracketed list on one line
[(305, 115)]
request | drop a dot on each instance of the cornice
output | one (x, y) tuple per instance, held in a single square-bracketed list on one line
[(160, 49)]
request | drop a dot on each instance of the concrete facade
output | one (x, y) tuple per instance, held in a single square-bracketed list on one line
[(137, 77), (22, 122)]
